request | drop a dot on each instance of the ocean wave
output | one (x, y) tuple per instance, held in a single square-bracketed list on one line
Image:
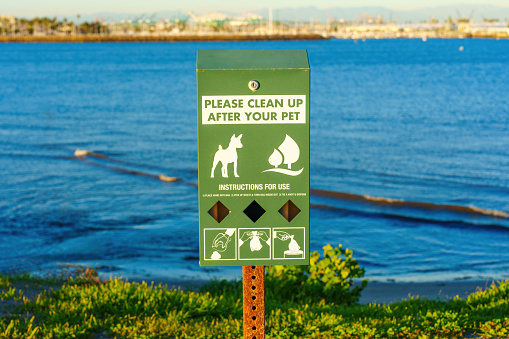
[(86, 153), (414, 204), (411, 219), (122, 170), (83, 155)]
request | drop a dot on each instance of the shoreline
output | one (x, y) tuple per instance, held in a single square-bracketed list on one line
[(98, 38), (375, 292), (157, 38), (388, 292)]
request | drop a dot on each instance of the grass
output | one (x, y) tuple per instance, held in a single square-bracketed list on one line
[(84, 307)]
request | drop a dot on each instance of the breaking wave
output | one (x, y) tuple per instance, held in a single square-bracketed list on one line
[(381, 201), (413, 204)]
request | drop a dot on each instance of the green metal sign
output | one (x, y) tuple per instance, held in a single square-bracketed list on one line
[(253, 157)]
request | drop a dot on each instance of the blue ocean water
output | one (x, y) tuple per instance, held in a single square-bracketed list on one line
[(406, 120)]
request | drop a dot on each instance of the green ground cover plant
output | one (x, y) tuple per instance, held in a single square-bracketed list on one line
[(82, 306)]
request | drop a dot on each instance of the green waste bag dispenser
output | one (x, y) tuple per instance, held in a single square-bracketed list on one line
[(253, 157)]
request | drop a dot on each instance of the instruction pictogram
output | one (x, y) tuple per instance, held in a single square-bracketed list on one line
[(254, 243), (220, 244), (289, 242)]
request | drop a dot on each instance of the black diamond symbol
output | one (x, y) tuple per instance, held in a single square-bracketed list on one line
[(289, 210), (219, 211), (254, 211)]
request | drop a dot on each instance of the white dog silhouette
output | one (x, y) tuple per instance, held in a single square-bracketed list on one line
[(226, 156)]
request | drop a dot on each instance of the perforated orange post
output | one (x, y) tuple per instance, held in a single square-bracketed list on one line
[(253, 278)]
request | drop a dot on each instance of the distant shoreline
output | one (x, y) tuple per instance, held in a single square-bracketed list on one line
[(86, 38), (157, 38)]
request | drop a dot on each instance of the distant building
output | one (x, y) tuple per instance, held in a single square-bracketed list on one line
[(7, 24)]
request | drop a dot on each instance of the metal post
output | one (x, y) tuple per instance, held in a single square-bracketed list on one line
[(253, 280)]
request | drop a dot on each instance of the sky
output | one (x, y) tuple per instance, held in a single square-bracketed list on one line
[(32, 8)]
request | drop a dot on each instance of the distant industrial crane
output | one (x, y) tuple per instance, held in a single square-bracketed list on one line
[(333, 23), (462, 18), (366, 18)]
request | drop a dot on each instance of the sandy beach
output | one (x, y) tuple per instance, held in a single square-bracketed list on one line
[(384, 293), (379, 292)]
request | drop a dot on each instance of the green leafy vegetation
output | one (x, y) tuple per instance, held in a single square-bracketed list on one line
[(300, 303), (330, 278)]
